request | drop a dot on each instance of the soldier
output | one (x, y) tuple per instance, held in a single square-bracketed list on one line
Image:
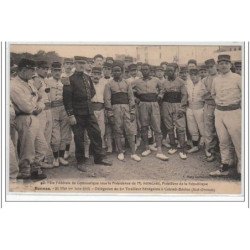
[(203, 71), (68, 66), (120, 106), (133, 72), (209, 108), (226, 90), (98, 60), (107, 70), (139, 64), (195, 115), (148, 90), (28, 105), (174, 108), (126, 72), (110, 60), (159, 73), (88, 66), (183, 74), (77, 97), (237, 66), (164, 65), (192, 64), (60, 126)]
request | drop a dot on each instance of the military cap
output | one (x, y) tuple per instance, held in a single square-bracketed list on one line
[(183, 69), (237, 64), (193, 71), (26, 63), (118, 64), (56, 65), (128, 59), (174, 65), (98, 56), (109, 59), (97, 69), (42, 64), (107, 65), (164, 63), (139, 63), (192, 61), (80, 59), (145, 65), (159, 68), (90, 60), (226, 58), (210, 62), (68, 60), (203, 67), (132, 66)]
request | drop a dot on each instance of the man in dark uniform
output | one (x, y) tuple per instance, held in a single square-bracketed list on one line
[(77, 95)]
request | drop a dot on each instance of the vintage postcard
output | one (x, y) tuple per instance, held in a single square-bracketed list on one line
[(125, 120)]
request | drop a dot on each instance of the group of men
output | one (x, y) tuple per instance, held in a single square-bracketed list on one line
[(109, 104)]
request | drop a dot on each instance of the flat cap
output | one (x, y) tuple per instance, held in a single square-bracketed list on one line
[(80, 59), (132, 66), (98, 56), (26, 63), (226, 58), (159, 68), (90, 60), (107, 65), (192, 61), (42, 64), (174, 65), (139, 63), (109, 59), (183, 69), (237, 64), (194, 72), (210, 62), (118, 63), (56, 65), (203, 67), (68, 60), (128, 58)]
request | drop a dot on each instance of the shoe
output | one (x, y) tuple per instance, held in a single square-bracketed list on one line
[(135, 157), (152, 147), (210, 158), (46, 165), (63, 161), (66, 155), (82, 167), (146, 152), (172, 151), (104, 162), (183, 155), (219, 172), (120, 157), (56, 163), (193, 150), (38, 175), (162, 157)]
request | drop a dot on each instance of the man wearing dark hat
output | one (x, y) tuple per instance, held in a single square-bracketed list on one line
[(107, 70), (120, 106), (203, 71), (174, 105), (27, 104), (98, 60), (195, 114), (148, 89), (110, 60), (226, 91), (237, 66), (183, 73), (61, 126), (209, 108), (77, 97), (88, 66)]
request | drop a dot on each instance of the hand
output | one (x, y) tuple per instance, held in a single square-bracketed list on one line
[(37, 111), (180, 114), (72, 120), (137, 100), (132, 117)]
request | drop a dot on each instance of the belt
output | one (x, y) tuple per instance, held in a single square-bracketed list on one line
[(172, 97), (119, 98), (57, 103), (97, 106), (47, 105), (149, 97), (229, 107), (22, 113)]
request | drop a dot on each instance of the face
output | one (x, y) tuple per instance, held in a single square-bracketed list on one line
[(203, 73), (88, 67), (194, 78), (170, 72), (117, 72), (164, 66), (107, 72), (68, 66), (183, 75), (79, 66), (238, 70), (212, 69), (27, 74), (139, 67), (37, 83), (56, 73), (224, 66), (43, 72), (96, 76), (159, 73), (133, 72), (191, 66), (145, 70), (98, 62)]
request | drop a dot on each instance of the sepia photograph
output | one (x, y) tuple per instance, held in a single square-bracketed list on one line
[(125, 119)]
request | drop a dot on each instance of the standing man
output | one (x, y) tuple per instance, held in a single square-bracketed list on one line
[(60, 127), (174, 108), (133, 72), (209, 108), (226, 90), (77, 97), (148, 90), (120, 106), (27, 104), (237, 66), (98, 60), (159, 73), (203, 71), (107, 70), (183, 73)]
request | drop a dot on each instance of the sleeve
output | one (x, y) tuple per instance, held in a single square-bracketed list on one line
[(21, 100), (107, 100), (160, 89), (239, 82), (184, 97), (92, 88), (68, 97), (213, 92), (131, 99)]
